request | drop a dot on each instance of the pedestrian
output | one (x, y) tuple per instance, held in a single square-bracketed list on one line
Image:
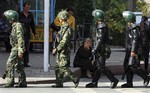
[(63, 50), (145, 34), (101, 51), (26, 18), (56, 26), (131, 62), (14, 61), (83, 59)]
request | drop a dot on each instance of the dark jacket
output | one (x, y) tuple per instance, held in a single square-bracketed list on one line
[(102, 37), (28, 23), (134, 38), (83, 57)]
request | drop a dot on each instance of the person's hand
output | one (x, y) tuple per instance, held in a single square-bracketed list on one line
[(133, 54), (54, 51), (20, 55), (93, 51)]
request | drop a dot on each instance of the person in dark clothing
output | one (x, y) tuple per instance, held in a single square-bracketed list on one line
[(26, 18), (83, 58), (144, 28), (100, 51), (131, 62)]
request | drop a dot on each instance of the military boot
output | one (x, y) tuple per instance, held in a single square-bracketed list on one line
[(22, 80), (76, 82), (127, 85), (114, 83), (22, 85), (57, 86), (146, 81), (92, 85)]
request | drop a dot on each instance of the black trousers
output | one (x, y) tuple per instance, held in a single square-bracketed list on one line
[(26, 53), (132, 69), (135, 70), (101, 69), (145, 48)]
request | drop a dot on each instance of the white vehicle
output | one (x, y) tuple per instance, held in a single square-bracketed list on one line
[(138, 17)]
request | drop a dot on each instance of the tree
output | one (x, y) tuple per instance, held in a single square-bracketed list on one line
[(141, 6), (83, 10)]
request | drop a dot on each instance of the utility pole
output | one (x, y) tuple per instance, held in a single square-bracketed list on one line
[(46, 34)]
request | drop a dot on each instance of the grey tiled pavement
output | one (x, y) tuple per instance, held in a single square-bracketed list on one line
[(36, 62), (36, 72)]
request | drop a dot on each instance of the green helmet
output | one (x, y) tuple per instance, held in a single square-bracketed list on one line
[(63, 15), (129, 16), (11, 15), (98, 14)]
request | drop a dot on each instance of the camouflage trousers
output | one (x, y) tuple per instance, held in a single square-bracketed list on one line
[(62, 70), (15, 64)]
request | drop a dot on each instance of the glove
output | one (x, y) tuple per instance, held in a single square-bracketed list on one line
[(93, 51), (54, 52)]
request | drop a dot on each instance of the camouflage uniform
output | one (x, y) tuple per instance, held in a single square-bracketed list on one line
[(63, 50), (14, 62)]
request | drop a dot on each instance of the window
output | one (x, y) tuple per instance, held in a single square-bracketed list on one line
[(37, 9)]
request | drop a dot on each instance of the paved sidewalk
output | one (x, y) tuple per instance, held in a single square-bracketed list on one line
[(36, 62), (114, 63)]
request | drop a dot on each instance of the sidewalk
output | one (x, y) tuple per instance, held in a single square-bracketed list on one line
[(35, 72)]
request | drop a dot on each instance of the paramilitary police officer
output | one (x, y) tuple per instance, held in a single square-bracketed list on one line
[(131, 63), (14, 61), (101, 51), (63, 50), (145, 34)]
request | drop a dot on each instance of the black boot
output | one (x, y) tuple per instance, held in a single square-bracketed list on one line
[(127, 85), (114, 83), (146, 81), (76, 82), (21, 85), (57, 86), (92, 85)]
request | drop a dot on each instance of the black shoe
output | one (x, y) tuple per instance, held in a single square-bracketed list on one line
[(57, 86), (91, 85), (21, 86), (114, 83), (146, 82), (76, 83), (127, 85), (26, 65)]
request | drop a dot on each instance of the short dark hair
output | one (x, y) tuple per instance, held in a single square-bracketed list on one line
[(70, 9), (26, 3)]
